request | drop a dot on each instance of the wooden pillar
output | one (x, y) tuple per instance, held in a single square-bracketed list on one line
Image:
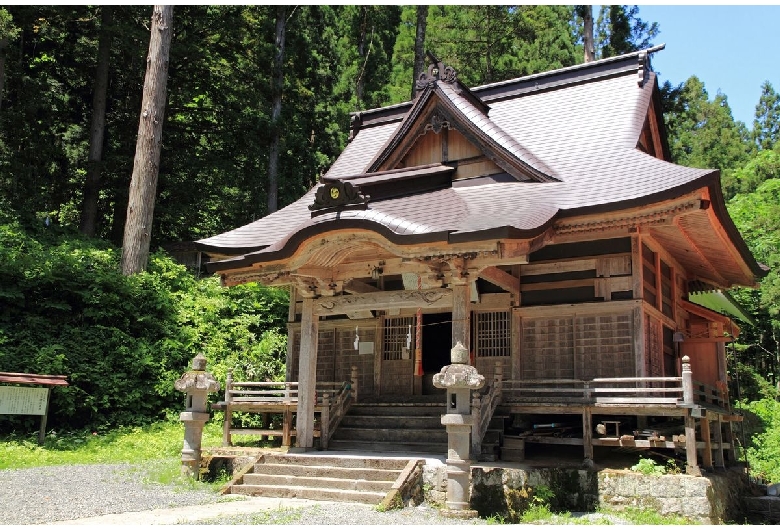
[(719, 458), (291, 316), (44, 419), (704, 425), (353, 381), (516, 336), (287, 427), (307, 376), (692, 466), (587, 435), (226, 424), (325, 422), (461, 314)]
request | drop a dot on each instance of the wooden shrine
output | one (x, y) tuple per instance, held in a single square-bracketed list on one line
[(539, 221)]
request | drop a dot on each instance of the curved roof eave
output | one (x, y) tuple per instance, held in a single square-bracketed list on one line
[(290, 245)]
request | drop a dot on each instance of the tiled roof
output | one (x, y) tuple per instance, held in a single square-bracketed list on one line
[(579, 126)]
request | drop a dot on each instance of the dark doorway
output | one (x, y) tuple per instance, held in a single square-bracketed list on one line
[(436, 346)]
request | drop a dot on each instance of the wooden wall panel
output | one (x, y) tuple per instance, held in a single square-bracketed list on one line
[(654, 362), (427, 150), (347, 357), (547, 350), (604, 346)]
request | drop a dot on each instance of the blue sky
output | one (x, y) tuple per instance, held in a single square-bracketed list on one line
[(732, 49)]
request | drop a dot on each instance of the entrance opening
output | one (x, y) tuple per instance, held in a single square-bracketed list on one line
[(436, 346)]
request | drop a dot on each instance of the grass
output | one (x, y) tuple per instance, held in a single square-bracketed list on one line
[(155, 449), (539, 514)]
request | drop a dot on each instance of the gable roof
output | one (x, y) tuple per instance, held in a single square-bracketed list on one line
[(567, 141)]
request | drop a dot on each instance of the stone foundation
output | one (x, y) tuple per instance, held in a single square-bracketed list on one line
[(508, 491)]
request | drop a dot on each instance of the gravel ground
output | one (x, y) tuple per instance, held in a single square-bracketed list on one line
[(57, 493), (46, 495)]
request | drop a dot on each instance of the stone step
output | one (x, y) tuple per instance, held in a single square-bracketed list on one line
[(405, 410), (319, 482), (390, 421), (318, 494), (406, 447), (327, 471), (390, 435), (396, 464)]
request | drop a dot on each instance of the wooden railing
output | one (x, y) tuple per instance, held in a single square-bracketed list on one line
[(681, 391), (483, 406), (331, 402), (333, 411)]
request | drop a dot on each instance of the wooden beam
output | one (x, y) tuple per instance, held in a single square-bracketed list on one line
[(461, 315), (342, 305), (501, 279), (359, 287)]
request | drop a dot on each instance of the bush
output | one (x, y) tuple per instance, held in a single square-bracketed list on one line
[(65, 308)]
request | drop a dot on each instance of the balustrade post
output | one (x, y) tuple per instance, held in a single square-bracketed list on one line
[(692, 464), (325, 421), (687, 380), (498, 375), (476, 434), (354, 383)]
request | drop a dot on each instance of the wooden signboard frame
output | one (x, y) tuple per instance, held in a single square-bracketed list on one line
[(29, 400)]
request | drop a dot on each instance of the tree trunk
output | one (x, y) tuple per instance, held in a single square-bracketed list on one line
[(587, 32), (97, 130), (419, 46), (146, 165), (3, 46), (277, 84), (361, 83)]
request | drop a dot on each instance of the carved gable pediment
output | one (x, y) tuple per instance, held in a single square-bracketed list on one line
[(443, 106)]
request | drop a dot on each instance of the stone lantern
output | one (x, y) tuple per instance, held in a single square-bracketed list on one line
[(459, 379), (196, 384)]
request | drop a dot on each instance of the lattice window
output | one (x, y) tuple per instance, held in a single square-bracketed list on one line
[(399, 334), (492, 336)]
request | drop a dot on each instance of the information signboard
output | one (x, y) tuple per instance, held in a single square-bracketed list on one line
[(20, 400)]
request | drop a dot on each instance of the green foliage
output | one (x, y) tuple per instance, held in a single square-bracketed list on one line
[(702, 132), (647, 466), (766, 126), (619, 30), (763, 432), (123, 341)]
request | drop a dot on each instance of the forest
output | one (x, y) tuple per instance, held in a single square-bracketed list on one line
[(257, 107)]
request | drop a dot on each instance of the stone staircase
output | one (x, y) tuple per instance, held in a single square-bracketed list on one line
[(391, 426), (324, 478)]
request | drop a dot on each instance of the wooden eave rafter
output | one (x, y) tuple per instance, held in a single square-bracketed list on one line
[(631, 219), (723, 235), (719, 280)]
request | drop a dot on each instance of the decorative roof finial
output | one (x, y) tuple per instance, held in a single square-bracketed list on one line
[(437, 71)]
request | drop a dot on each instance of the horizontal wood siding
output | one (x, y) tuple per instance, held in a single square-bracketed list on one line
[(573, 276)]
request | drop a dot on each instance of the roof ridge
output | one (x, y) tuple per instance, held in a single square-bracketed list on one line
[(638, 54)]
